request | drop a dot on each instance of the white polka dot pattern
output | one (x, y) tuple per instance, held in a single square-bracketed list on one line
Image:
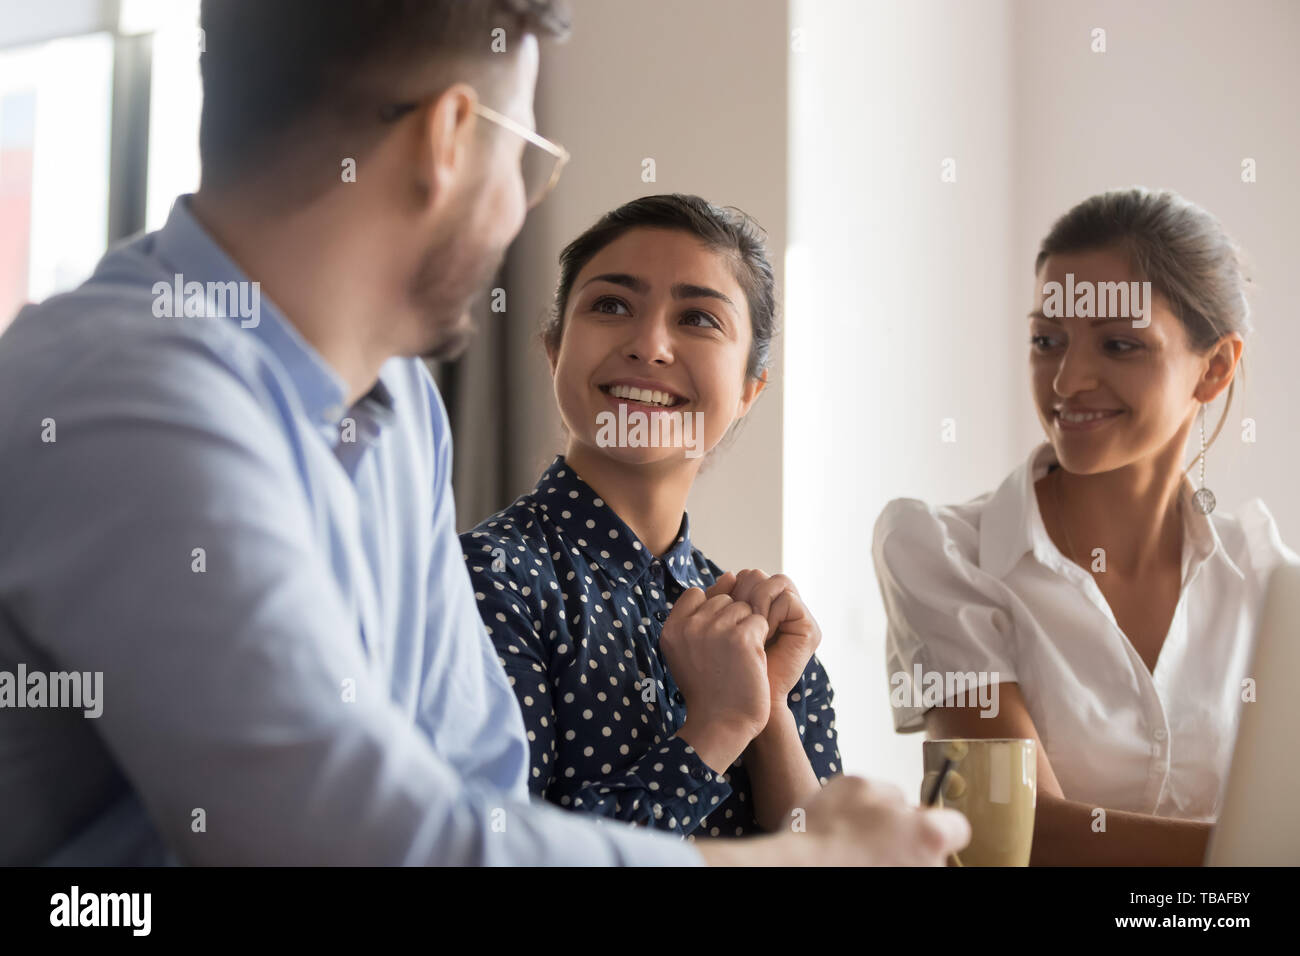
[(600, 707)]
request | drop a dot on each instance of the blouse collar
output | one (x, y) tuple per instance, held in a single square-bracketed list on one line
[(581, 515), (1011, 525)]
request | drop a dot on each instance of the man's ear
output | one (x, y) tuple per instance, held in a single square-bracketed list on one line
[(1220, 367), (447, 126), (552, 356), (754, 386)]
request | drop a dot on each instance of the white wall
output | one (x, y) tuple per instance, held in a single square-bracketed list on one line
[(700, 88), (899, 309)]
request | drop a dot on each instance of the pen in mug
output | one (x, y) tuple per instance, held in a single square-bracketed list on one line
[(933, 795)]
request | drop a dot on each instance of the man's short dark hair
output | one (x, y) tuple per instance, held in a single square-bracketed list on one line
[(280, 76)]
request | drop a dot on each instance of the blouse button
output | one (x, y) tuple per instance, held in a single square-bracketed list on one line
[(1159, 734), (661, 616), (678, 697)]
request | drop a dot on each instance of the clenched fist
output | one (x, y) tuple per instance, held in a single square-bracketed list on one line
[(713, 647), (792, 634)]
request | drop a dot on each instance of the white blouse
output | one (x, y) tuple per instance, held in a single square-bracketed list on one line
[(981, 587)]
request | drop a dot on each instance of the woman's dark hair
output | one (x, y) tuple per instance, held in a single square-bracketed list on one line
[(728, 231), (1174, 244)]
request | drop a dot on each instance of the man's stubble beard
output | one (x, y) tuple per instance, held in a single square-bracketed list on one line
[(448, 302)]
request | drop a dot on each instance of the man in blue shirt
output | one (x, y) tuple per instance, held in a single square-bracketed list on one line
[(225, 486)]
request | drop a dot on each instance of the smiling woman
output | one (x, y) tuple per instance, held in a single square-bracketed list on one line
[(1114, 614), (642, 671)]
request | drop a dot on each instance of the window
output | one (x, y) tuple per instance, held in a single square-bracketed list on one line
[(55, 108), (99, 117)]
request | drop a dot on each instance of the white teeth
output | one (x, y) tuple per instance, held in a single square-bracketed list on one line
[(646, 396), (1079, 417)]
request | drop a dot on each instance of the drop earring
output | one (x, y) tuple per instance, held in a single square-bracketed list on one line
[(1204, 497)]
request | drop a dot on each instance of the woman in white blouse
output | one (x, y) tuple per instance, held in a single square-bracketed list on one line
[(1110, 612)]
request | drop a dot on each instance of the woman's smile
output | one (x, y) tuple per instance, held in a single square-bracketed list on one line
[(1079, 419), (642, 394)]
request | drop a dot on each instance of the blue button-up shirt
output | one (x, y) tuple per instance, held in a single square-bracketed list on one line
[(575, 604), (293, 665)]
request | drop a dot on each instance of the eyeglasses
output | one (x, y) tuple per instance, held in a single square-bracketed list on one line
[(542, 161)]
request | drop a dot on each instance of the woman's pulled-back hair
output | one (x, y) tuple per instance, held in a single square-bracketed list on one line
[(725, 230), (1174, 244)]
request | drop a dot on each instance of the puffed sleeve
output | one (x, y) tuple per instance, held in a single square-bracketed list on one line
[(1263, 541), (946, 616)]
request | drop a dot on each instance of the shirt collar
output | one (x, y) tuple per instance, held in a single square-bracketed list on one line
[(1011, 524), (362, 425), (1006, 525), (580, 514), (1201, 541), (188, 251)]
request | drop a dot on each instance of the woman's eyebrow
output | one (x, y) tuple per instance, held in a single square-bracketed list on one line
[(682, 290), (635, 283), (686, 290), (1038, 314)]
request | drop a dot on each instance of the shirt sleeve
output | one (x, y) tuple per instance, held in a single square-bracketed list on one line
[(945, 616), (669, 788), (514, 630), (167, 542), (1264, 546), (476, 713), (814, 702)]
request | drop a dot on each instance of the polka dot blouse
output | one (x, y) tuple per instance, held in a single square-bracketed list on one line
[(574, 604)]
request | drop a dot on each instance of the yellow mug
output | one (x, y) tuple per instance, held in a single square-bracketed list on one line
[(994, 783)]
